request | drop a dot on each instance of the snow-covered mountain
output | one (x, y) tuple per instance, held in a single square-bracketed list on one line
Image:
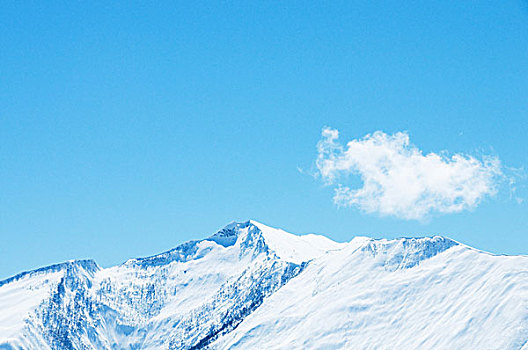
[(250, 286)]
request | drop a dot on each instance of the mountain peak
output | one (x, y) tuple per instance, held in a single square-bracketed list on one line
[(296, 248), (228, 235)]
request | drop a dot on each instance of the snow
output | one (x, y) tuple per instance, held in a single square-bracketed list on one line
[(18, 299), (254, 286), (458, 299), (296, 249)]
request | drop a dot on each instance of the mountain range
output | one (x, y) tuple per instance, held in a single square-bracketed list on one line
[(250, 286)]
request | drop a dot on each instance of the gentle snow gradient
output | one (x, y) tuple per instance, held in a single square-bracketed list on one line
[(399, 180)]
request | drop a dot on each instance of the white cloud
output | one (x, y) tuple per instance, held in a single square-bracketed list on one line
[(399, 180)]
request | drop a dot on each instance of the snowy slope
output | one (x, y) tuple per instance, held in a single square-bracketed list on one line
[(250, 286), (379, 295)]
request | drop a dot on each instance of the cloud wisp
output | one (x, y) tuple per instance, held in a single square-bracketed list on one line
[(399, 180)]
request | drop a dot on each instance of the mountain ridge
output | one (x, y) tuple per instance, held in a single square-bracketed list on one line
[(248, 284), (218, 241)]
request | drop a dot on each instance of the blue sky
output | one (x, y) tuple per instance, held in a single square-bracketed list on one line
[(128, 129)]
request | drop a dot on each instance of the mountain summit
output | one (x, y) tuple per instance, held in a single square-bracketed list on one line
[(250, 286)]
